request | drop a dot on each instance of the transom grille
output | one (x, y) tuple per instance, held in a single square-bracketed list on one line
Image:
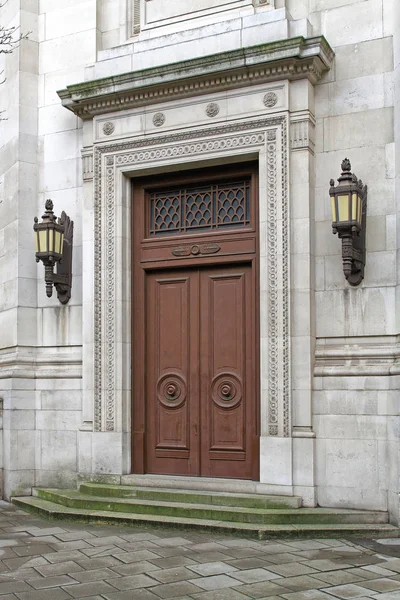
[(200, 208)]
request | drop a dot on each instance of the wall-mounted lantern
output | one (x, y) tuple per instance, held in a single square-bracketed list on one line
[(349, 209), (54, 247)]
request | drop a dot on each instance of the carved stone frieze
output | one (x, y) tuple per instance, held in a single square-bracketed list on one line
[(267, 134)]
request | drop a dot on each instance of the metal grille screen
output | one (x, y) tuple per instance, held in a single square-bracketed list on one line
[(200, 208)]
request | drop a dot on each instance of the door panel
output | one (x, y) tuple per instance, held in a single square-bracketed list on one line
[(171, 350), (227, 409), (201, 415)]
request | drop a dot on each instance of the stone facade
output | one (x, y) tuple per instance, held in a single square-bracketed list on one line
[(298, 85)]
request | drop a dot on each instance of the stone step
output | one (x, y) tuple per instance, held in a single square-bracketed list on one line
[(75, 499), (56, 511), (191, 496), (203, 484)]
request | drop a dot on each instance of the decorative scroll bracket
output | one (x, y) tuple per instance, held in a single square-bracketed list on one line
[(63, 278)]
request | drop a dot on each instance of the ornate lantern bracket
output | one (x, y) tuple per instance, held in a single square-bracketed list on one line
[(349, 211), (54, 239)]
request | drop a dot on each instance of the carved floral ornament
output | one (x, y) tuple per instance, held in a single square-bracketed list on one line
[(108, 128), (268, 133)]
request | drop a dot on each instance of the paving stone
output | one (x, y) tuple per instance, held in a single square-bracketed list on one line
[(300, 583), (44, 595), (139, 537), (213, 568), (172, 561), (135, 546), (99, 563), (349, 591), (205, 557), (133, 582), (307, 595), (75, 545), (262, 589), (59, 569), (388, 596), (100, 551), (49, 582), (307, 545), (171, 590), (132, 595), (80, 590), (326, 565), (32, 550), (220, 595), (248, 563), (254, 575), (173, 541), (8, 587), (381, 585), (172, 575), (338, 577), (362, 572), (139, 556), (70, 536), (28, 561), (94, 575), (215, 582), (291, 569), (379, 570), (208, 547), (63, 556), (282, 558), (135, 568), (111, 540)]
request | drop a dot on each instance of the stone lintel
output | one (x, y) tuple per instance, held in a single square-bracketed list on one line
[(295, 58)]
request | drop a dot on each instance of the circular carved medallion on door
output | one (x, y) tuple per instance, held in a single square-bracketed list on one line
[(226, 390), (171, 390)]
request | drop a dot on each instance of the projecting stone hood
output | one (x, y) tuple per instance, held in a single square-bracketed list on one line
[(295, 58)]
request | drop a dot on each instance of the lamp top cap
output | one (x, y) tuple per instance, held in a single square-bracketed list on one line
[(346, 165), (49, 205)]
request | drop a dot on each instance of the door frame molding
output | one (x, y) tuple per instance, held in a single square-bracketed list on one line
[(265, 139)]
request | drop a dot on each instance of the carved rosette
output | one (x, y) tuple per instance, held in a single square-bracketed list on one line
[(171, 390), (226, 390), (108, 128), (159, 119), (270, 99), (212, 109)]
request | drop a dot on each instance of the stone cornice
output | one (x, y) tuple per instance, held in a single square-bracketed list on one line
[(359, 357), (295, 58), (57, 362)]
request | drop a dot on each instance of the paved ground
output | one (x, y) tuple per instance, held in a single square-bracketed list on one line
[(42, 560)]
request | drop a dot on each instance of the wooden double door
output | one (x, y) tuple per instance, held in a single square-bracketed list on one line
[(195, 360)]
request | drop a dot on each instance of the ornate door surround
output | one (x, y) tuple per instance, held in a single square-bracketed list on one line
[(113, 166)]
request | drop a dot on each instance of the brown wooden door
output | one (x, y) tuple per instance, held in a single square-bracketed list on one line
[(201, 410)]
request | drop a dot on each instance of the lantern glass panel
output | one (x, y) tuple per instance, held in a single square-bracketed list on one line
[(57, 242), (343, 205), (354, 207), (43, 241), (62, 243), (51, 240), (359, 210), (37, 241), (333, 203)]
